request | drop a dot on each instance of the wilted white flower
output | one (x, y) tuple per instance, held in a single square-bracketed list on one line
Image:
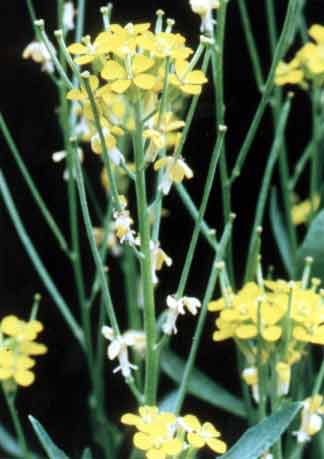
[(250, 376), (59, 156), (311, 421), (283, 375), (204, 9), (159, 259), (118, 349), (37, 51), (176, 308), (122, 226)]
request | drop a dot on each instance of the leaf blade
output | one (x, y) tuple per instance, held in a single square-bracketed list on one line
[(52, 451), (201, 386), (261, 437)]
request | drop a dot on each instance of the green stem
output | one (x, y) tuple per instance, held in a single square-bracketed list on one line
[(300, 166), (10, 401), (151, 361), (218, 149), (286, 33), (206, 231), (32, 187), (80, 20), (94, 250), (272, 26), (251, 44), (319, 380), (202, 317), (264, 191), (38, 264)]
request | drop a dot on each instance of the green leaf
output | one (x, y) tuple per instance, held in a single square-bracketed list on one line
[(8, 443), (313, 246), (261, 437), (169, 401), (52, 451), (280, 234), (201, 386), (87, 454)]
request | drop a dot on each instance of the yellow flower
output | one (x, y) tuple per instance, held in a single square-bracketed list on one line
[(121, 79), (301, 212), (16, 367), (16, 347), (165, 44), (88, 51), (189, 82), (176, 170), (160, 133), (81, 94), (289, 73), (200, 435)]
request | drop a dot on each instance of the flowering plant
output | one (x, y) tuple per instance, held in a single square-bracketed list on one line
[(127, 99)]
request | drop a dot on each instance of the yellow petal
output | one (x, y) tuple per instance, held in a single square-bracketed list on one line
[(5, 373), (11, 325), (77, 48), (141, 63), (181, 68), (192, 422), (113, 71), (83, 60), (32, 348), (246, 331), (155, 453), (24, 377), (195, 440), (193, 90), (142, 441), (196, 77), (317, 32), (172, 447), (76, 94), (271, 333), (130, 419), (120, 86), (218, 446), (144, 81)]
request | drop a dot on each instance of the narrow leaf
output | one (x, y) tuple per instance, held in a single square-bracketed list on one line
[(87, 454), (280, 234), (313, 246), (168, 403), (8, 443), (261, 437), (201, 386), (52, 451)]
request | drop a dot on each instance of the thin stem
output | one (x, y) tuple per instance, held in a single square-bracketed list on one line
[(251, 44), (272, 26), (106, 158), (32, 187), (151, 364), (202, 317), (10, 401), (218, 149), (38, 264), (93, 246), (300, 166), (206, 231), (287, 30), (80, 20), (319, 380), (264, 191)]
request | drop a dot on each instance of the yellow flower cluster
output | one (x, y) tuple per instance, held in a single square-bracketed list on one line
[(307, 64), (131, 65), (162, 434), (268, 313), (17, 345), (275, 319)]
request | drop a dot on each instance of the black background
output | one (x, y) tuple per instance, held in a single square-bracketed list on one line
[(28, 99)]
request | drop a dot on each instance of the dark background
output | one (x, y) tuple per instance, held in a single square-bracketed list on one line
[(59, 396)]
